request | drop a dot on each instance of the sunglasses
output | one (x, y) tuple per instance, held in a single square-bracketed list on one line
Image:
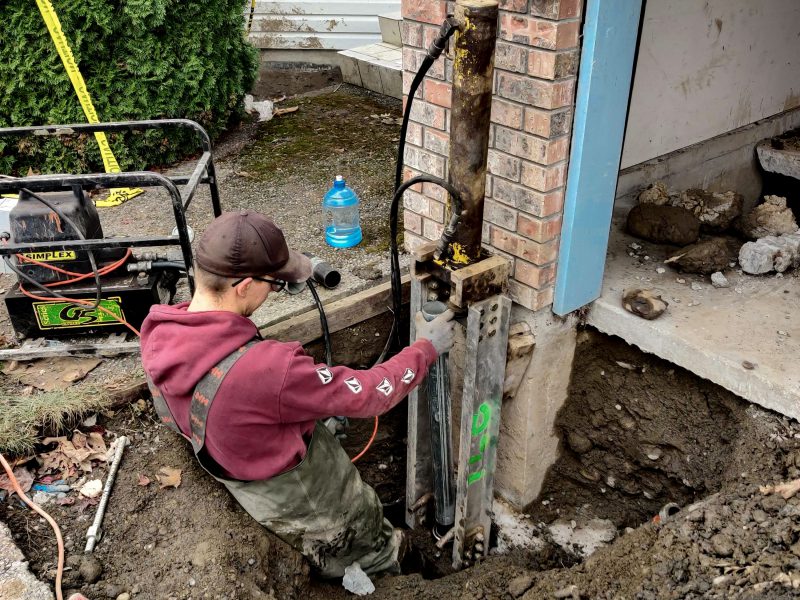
[(278, 284)]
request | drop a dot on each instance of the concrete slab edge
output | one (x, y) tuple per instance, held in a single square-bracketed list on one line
[(752, 385)]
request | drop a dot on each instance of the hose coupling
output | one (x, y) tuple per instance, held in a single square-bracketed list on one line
[(448, 28)]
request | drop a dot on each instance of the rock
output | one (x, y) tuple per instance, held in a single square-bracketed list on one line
[(704, 257), (716, 211), (771, 253), (124, 596), (520, 584), (644, 303), (113, 590), (656, 194), (718, 280), (90, 568), (772, 217), (356, 581), (369, 272), (571, 591), (579, 443), (663, 224), (722, 544)]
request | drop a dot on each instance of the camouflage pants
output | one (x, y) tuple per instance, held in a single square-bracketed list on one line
[(323, 510)]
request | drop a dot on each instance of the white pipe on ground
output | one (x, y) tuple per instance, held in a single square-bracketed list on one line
[(93, 534)]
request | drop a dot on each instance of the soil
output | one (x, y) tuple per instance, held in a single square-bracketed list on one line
[(658, 433)]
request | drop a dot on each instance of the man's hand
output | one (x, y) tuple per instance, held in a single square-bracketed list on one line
[(439, 332)]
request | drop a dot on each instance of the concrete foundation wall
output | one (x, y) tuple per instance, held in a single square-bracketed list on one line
[(528, 443), (708, 67), (725, 162)]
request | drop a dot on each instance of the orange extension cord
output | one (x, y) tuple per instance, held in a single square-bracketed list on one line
[(48, 518)]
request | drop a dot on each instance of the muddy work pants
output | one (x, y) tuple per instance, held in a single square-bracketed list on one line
[(323, 510)]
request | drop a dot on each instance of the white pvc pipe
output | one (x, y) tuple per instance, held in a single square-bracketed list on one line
[(93, 535)]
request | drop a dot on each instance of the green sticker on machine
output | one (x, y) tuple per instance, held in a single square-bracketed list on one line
[(52, 315)]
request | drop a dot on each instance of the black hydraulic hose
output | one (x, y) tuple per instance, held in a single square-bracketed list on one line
[(448, 28), (167, 264), (397, 288), (435, 50), (323, 321)]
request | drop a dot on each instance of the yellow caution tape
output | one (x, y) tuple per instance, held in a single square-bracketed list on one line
[(116, 196)]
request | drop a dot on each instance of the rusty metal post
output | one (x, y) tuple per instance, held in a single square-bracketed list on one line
[(469, 121)]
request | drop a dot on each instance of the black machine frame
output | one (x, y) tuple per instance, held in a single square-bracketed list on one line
[(202, 173)]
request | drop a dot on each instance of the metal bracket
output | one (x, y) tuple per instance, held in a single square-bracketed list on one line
[(481, 401), (483, 357)]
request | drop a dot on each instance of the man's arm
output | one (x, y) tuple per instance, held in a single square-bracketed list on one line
[(313, 391)]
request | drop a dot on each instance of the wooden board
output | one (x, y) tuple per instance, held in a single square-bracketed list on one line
[(305, 328)]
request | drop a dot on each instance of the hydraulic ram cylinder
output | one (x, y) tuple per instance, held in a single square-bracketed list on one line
[(438, 388)]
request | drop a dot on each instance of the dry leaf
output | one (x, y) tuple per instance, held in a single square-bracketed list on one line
[(50, 374), (284, 111), (86, 503), (787, 490), (78, 452), (169, 477), (23, 476), (143, 480)]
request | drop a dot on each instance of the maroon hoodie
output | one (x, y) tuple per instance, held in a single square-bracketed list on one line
[(271, 397)]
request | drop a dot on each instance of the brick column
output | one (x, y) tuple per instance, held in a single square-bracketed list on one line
[(536, 64)]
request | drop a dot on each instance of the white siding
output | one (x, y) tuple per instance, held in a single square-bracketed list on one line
[(708, 67), (318, 24)]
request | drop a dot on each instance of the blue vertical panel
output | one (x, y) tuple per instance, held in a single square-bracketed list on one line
[(604, 84)]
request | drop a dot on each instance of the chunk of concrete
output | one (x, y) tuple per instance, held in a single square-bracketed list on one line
[(663, 224), (715, 210), (655, 193), (718, 280), (771, 218), (16, 581), (771, 253)]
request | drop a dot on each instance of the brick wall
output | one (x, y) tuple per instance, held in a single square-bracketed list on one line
[(536, 62)]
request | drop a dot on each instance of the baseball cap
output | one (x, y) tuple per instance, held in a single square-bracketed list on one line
[(247, 244)]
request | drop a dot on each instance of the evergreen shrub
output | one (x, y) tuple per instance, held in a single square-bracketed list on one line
[(141, 59)]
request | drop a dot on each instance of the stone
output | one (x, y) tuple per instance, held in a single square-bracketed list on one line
[(705, 257), (771, 253), (655, 193), (579, 443), (772, 217), (356, 581), (124, 596), (520, 584), (90, 568), (716, 211), (718, 280), (663, 224), (644, 303), (722, 544)]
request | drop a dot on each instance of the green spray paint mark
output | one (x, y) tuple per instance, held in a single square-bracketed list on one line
[(480, 422)]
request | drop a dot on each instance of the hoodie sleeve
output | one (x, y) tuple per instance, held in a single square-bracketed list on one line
[(315, 391)]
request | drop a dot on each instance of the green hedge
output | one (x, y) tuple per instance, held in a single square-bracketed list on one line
[(140, 58)]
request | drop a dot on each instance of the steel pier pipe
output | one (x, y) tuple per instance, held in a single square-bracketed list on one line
[(469, 122)]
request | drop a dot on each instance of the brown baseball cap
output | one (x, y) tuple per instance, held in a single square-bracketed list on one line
[(247, 244)]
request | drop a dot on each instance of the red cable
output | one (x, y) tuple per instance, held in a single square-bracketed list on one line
[(369, 443), (47, 517)]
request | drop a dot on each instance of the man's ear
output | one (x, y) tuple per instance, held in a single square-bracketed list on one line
[(244, 287)]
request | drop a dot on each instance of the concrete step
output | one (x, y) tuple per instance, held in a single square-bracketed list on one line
[(390, 28), (376, 67)]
